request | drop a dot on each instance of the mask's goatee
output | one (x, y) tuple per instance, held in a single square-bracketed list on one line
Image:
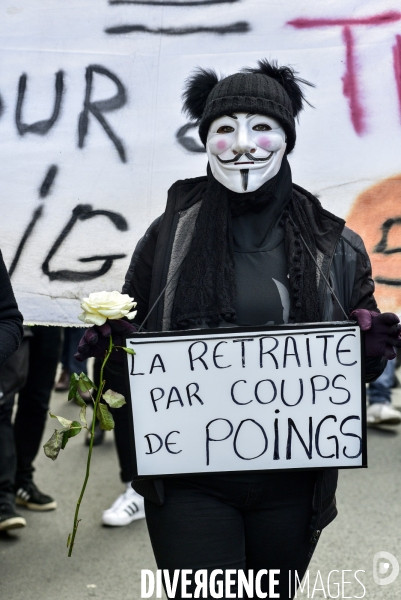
[(244, 178)]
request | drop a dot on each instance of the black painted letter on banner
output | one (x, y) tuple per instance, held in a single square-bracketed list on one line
[(39, 127), (83, 212), (187, 141), (98, 107)]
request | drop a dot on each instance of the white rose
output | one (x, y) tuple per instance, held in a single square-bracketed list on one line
[(100, 306)]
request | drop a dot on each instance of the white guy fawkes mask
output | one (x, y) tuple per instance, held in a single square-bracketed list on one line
[(245, 150)]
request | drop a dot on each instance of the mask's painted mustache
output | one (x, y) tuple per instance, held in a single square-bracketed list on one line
[(247, 154)]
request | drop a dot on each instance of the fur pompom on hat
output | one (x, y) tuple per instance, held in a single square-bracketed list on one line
[(267, 90)]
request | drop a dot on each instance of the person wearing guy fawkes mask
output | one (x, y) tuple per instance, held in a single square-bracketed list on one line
[(240, 247)]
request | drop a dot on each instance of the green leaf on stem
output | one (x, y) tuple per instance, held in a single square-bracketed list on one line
[(114, 399), (65, 438), (61, 436), (85, 384), (105, 417), (53, 446), (79, 400), (128, 350), (82, 415), (74, 380), (64, 422), (74, 429), (79, 384)]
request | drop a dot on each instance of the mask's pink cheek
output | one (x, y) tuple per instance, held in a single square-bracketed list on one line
[(265, 142), (221, 145)]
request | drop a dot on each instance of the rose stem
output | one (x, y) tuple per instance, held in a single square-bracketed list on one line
[(98, 396)]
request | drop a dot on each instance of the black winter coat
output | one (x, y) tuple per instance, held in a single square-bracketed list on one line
[(10, 317), (341, 256)]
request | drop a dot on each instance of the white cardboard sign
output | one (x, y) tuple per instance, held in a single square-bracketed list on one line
[(245, 399)]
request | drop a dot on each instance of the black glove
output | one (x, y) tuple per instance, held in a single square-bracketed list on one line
[(96, 339)]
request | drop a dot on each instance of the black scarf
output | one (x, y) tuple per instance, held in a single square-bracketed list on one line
[(206, 289)]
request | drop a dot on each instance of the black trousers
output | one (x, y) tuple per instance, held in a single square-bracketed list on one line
[(34, 398), (13, 375), (233, 523), (19, 445), (115, 381)]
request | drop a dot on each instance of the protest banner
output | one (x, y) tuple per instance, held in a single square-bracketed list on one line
[(247, 398), (92, 133)]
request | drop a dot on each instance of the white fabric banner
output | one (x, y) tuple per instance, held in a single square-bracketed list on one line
[(92, 133)]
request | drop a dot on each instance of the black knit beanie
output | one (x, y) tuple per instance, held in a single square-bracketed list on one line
[(268, 90)]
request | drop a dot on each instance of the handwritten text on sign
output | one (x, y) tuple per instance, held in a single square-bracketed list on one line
[(247, 400)]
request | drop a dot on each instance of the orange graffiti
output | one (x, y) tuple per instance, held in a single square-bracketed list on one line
[(376, 216)]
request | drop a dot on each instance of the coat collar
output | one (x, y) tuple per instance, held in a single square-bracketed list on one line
[(327, 228)]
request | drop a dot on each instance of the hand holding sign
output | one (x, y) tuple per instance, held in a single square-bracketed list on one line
[(382, 332)]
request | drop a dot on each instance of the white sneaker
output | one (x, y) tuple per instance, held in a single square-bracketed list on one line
[(127, 508), (382, 413)]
